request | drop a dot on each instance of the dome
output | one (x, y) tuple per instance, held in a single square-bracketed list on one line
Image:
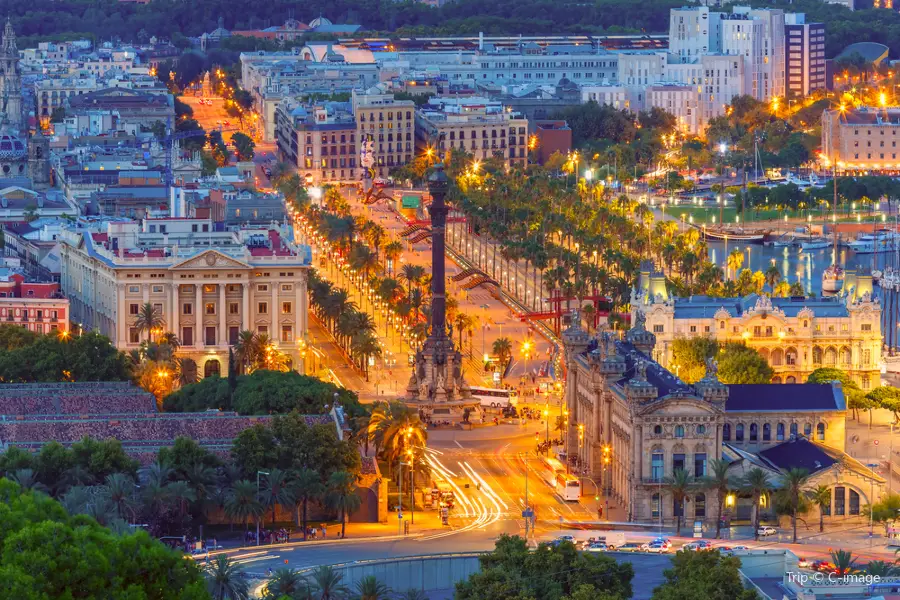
[(318, 22), (11, 146)]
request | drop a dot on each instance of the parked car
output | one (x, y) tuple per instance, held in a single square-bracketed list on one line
[(698, 545), (730, 550), (598, 547), (563, 538), (766, 530), (629, 547)]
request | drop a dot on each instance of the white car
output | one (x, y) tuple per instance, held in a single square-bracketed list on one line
[(766, 530), (598, 547), (656, 547), (730, 550)]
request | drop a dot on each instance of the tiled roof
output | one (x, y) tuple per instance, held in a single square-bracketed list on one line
[(663, 380), (798, 453), (784, 397), (698, 307)]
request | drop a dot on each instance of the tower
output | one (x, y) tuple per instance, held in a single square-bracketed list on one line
[(11, 78), (39, 161)]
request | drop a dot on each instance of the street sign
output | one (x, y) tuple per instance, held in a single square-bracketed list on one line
[(528, 513)]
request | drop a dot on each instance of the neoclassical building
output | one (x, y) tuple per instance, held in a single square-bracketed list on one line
[(634, 424), (207, 285), (795, 335)]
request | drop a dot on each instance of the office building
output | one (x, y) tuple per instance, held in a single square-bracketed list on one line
[(805, 55)]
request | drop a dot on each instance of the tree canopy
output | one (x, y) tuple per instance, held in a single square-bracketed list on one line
[(703, 574), (45, 553), (47, 358), (263, 392), (560, 572), (738, 363)]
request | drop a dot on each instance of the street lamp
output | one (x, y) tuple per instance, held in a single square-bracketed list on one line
[(547, 423), (258, 473)]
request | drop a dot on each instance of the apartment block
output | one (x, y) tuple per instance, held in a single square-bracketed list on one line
[(320, 140), (390, 124), (805, 55)]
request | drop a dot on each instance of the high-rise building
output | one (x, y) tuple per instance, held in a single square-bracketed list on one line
[(804, 55), (390, 124)]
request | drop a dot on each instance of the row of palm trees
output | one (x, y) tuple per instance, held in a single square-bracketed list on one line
[(395, 431), (792, 493)]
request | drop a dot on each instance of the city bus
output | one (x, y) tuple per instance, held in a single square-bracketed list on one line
[(552, 469), (495, 397), (568, 487)]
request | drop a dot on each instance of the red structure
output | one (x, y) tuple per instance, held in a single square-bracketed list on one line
[(552, 136)]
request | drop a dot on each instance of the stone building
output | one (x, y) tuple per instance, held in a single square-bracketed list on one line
[(795, 335), (632, 424)]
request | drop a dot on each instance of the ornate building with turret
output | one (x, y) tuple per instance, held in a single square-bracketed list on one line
[(632, 425), (24, 158)]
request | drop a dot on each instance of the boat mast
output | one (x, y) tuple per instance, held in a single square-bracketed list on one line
[(834, 214)]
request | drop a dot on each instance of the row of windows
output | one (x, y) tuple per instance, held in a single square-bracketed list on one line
[(34, 313), (210, 335), (678, 506), (187, 308), (679, 463), (390, 116), (211, 289), (753, 433)]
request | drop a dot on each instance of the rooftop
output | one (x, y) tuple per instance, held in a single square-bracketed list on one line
[(778, 397), (798, 453), (698, 307)]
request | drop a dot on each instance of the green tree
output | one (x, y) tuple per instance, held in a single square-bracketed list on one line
[(680, 485), (703, 575), (502, 349), (226, 582), (855, 396), (793, 490), (369, 588), (307, 486), (756, 484), (342, 496), (886, 511), (550, 572), (739, 363), (689, 357), (821, 497), (276, 491), (719, 482), (244, 146)]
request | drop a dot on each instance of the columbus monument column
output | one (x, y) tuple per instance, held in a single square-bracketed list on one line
[(437, 382)]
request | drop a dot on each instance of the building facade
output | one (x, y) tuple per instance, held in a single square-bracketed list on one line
[(320, 140), (208, 285), (390, 124), (805, 55), (632, 425), (795, 335), (862, 139)]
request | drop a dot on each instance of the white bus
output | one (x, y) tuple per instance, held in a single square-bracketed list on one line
[(568, 487), (495, 397), (553, 469)]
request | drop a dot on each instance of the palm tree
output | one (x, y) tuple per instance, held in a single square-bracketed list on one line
[(364, 345), (502, 349), (342, 496), (369, 588), (27, 480), (246, 350), (119, 490), (773, 276), (756, 484), (182, 496), (306, 485), (392, 252), (242, 503), (413, 594), (680, 486), (225, 580), (286, 582), (718, 481), (148, 319), (735, 261), (277, 490), (843, 562), (821, 497), (328, 583), (880, 568), (793, 483)]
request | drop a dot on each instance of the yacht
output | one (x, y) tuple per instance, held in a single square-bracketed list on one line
[(814, 243), (785, 242), (873, 245)]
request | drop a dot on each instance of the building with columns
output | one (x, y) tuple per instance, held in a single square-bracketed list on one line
[(632, 424), (795, 335), (208, 284)]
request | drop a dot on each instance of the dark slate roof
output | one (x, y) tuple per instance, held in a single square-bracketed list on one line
[(784, 397), (696, 307), (798, 453), (663, 380)]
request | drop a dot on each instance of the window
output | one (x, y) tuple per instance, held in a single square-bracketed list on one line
[(739, 432), (134, 335), (263, 308), (854, 502), (807, 430), (701, 429), (779, 432), (233, 333), (187, 309), (262, 288), (866, 327), (157, 289), (187, 336), (287, 333), (210, 308), (754, 432), (132, 309), (700, 465), (210, 336), (286, 308), (134, 289), (820, 432), (678, 461), (679, 431), (656, 466), (726, 432), (655, 506), (233, 308), (657, 329), (657, 430), (700, 506), (794, 430), (839, 500), (767, 432)]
